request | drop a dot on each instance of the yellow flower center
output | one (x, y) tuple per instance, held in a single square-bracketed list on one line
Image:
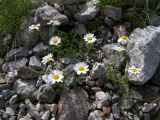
[(118, 49), (81, 68), (48, 58), (124, 37), (55, 77), (134, 70), (89, 38), (55, 41)]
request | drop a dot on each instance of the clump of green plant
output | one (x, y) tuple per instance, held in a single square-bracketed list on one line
[(71, 44), (138, 12), (119, 80), (12, 14)]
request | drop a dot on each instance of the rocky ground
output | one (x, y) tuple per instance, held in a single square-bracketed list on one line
[(25, 95)]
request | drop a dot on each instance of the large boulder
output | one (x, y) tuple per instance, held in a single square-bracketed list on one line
[(144, 53)]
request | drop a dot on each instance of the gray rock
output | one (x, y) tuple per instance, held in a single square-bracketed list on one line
[(109, 22), (155, 20), (22, 111), (143, 46), (102, 99), (148, 108), (25, 88), (75, 99), (13, 99), (32, 110), (35, 63), (65, 60), (39, 82), (146, 116), (14, 65), (46, 94), (46, 115), (39, 107), (2, 79), (11, 76), (2, 101), (47, 106), (41, 49), (115, 111), (1, 63), (156, 77), (88, 12), (126, 103), (47, 13), (17, 53), (115, 98), (10, 111), (110, 117), (95, 115), (113, 12), (99, 73), (7, 39), (27, 73), (111, 56), (12, 118), (79, 29), (63, 2), (4, 115), (26, 37), (54, 109), (136, 96)]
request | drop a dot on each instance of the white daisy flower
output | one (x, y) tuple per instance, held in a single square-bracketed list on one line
[(119, 49), (55, 76), (55, 41), (47, 58), (81, 68), (34, 27), (51, 22), (90, 38), (134, 70), (123, 40)]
